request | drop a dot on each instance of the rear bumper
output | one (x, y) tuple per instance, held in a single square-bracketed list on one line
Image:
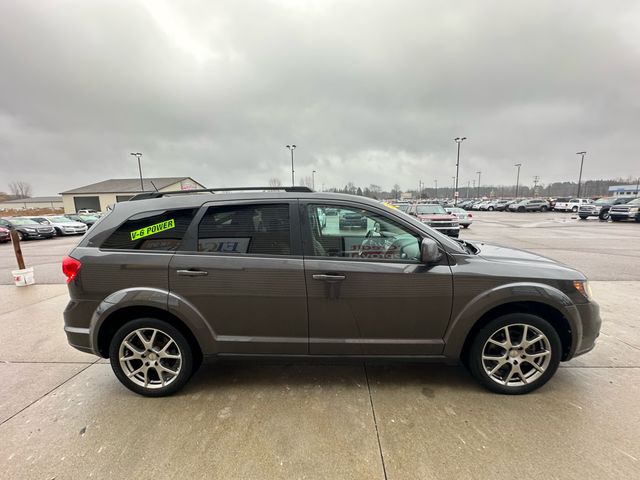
[(77, 320)]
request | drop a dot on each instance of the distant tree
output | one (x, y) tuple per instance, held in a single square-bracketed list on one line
[(20, 189), (359, 191), (373, 191), (307, 181), (395, 192), (275, 182)]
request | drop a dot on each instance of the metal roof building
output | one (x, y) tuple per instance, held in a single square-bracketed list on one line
[(623, 190), (98, 196)]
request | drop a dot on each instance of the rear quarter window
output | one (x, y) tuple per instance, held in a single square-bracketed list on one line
[(157, 230)]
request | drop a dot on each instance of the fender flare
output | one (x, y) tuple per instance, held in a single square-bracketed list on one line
[(460, 326), (156, 298)]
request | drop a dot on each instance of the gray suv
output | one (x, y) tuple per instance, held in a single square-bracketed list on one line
[(168, 279)]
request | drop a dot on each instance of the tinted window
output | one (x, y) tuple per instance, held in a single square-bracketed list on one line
[(246, 229), (360, 234), (158, 230)]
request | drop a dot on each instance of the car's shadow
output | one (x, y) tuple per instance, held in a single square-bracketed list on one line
[(378, 376)]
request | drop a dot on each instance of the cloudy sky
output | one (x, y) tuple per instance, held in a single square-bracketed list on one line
[(370, 91)]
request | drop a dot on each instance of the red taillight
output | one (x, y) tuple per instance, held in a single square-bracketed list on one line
[(469, 215), (70, 267)]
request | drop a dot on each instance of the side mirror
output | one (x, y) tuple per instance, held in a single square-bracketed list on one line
[(429, 251)]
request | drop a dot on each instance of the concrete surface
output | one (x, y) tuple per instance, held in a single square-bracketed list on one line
[(64, 415)]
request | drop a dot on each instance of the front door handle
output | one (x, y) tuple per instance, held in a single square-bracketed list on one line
[(331, 278), (192, 273)]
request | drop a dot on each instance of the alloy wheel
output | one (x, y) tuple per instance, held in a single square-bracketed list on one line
[(516, 355), (150, 358)]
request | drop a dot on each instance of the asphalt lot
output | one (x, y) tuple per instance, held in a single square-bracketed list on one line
[(64, 415)]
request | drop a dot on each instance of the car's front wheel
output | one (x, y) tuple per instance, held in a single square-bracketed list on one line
[(604, 216), (151, 357), (515, 353)]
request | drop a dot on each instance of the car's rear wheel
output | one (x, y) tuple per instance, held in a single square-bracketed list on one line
[(583, 217), (574, 209), (604, 216), (515, 353), (544, 209), (151, 357)]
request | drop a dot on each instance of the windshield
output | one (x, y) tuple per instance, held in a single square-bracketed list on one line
[(59, 220), (602, 201), (634, 202), (23, 221), (88, 218), (430, 209)]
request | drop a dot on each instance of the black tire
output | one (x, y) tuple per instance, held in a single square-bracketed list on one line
[(615, 219), (465, 226), (544, 209), (21, 236), (582, 217), (574, 209), (491, 209), (475, 361), (604, 216), (186, 367), (521, 209), (58, 232)]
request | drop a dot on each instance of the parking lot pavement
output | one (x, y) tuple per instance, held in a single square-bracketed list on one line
[(601, 250), (64, 415), (44, 255)]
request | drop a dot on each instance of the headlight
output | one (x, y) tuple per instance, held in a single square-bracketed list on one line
[(583, 287), (30, 229)]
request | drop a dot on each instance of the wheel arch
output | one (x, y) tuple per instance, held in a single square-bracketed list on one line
[(542, 300), (542, 310), (119, 317)]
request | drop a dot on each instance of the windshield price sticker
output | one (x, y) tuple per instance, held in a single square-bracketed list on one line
[(153, 229)]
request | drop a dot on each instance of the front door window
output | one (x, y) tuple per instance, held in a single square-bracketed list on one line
[(354, 233)]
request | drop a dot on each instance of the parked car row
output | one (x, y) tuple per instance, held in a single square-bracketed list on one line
[(46, 226), (614, 208)]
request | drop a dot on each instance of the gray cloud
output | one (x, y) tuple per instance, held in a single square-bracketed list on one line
[(371, 92)]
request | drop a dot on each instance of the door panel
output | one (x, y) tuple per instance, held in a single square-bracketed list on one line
[(379, 308), (367, 293), (245, 275), (254, 305)]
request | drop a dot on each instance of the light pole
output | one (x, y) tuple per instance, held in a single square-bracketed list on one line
[(453, 186), (582, 154), (313, 180), (468, 186), (458, 140), (517, 177), (293, 176), (138, 155), (436, 182), (479, 173)]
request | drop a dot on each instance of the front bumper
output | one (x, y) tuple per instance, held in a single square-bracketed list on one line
[(590, 318)]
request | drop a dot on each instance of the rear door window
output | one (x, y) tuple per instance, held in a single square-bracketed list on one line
[(258, 229), (158, 230)]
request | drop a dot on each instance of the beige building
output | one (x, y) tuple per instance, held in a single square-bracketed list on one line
[(98, 196), (31, 202)]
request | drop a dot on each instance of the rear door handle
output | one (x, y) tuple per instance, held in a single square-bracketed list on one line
[(331, 278), (192, 273)]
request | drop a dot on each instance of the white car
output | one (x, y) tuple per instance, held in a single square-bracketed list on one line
[(464, 217), (572, 205), (62, 225)]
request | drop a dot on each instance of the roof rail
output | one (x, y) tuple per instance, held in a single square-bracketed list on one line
[(148, 195)]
